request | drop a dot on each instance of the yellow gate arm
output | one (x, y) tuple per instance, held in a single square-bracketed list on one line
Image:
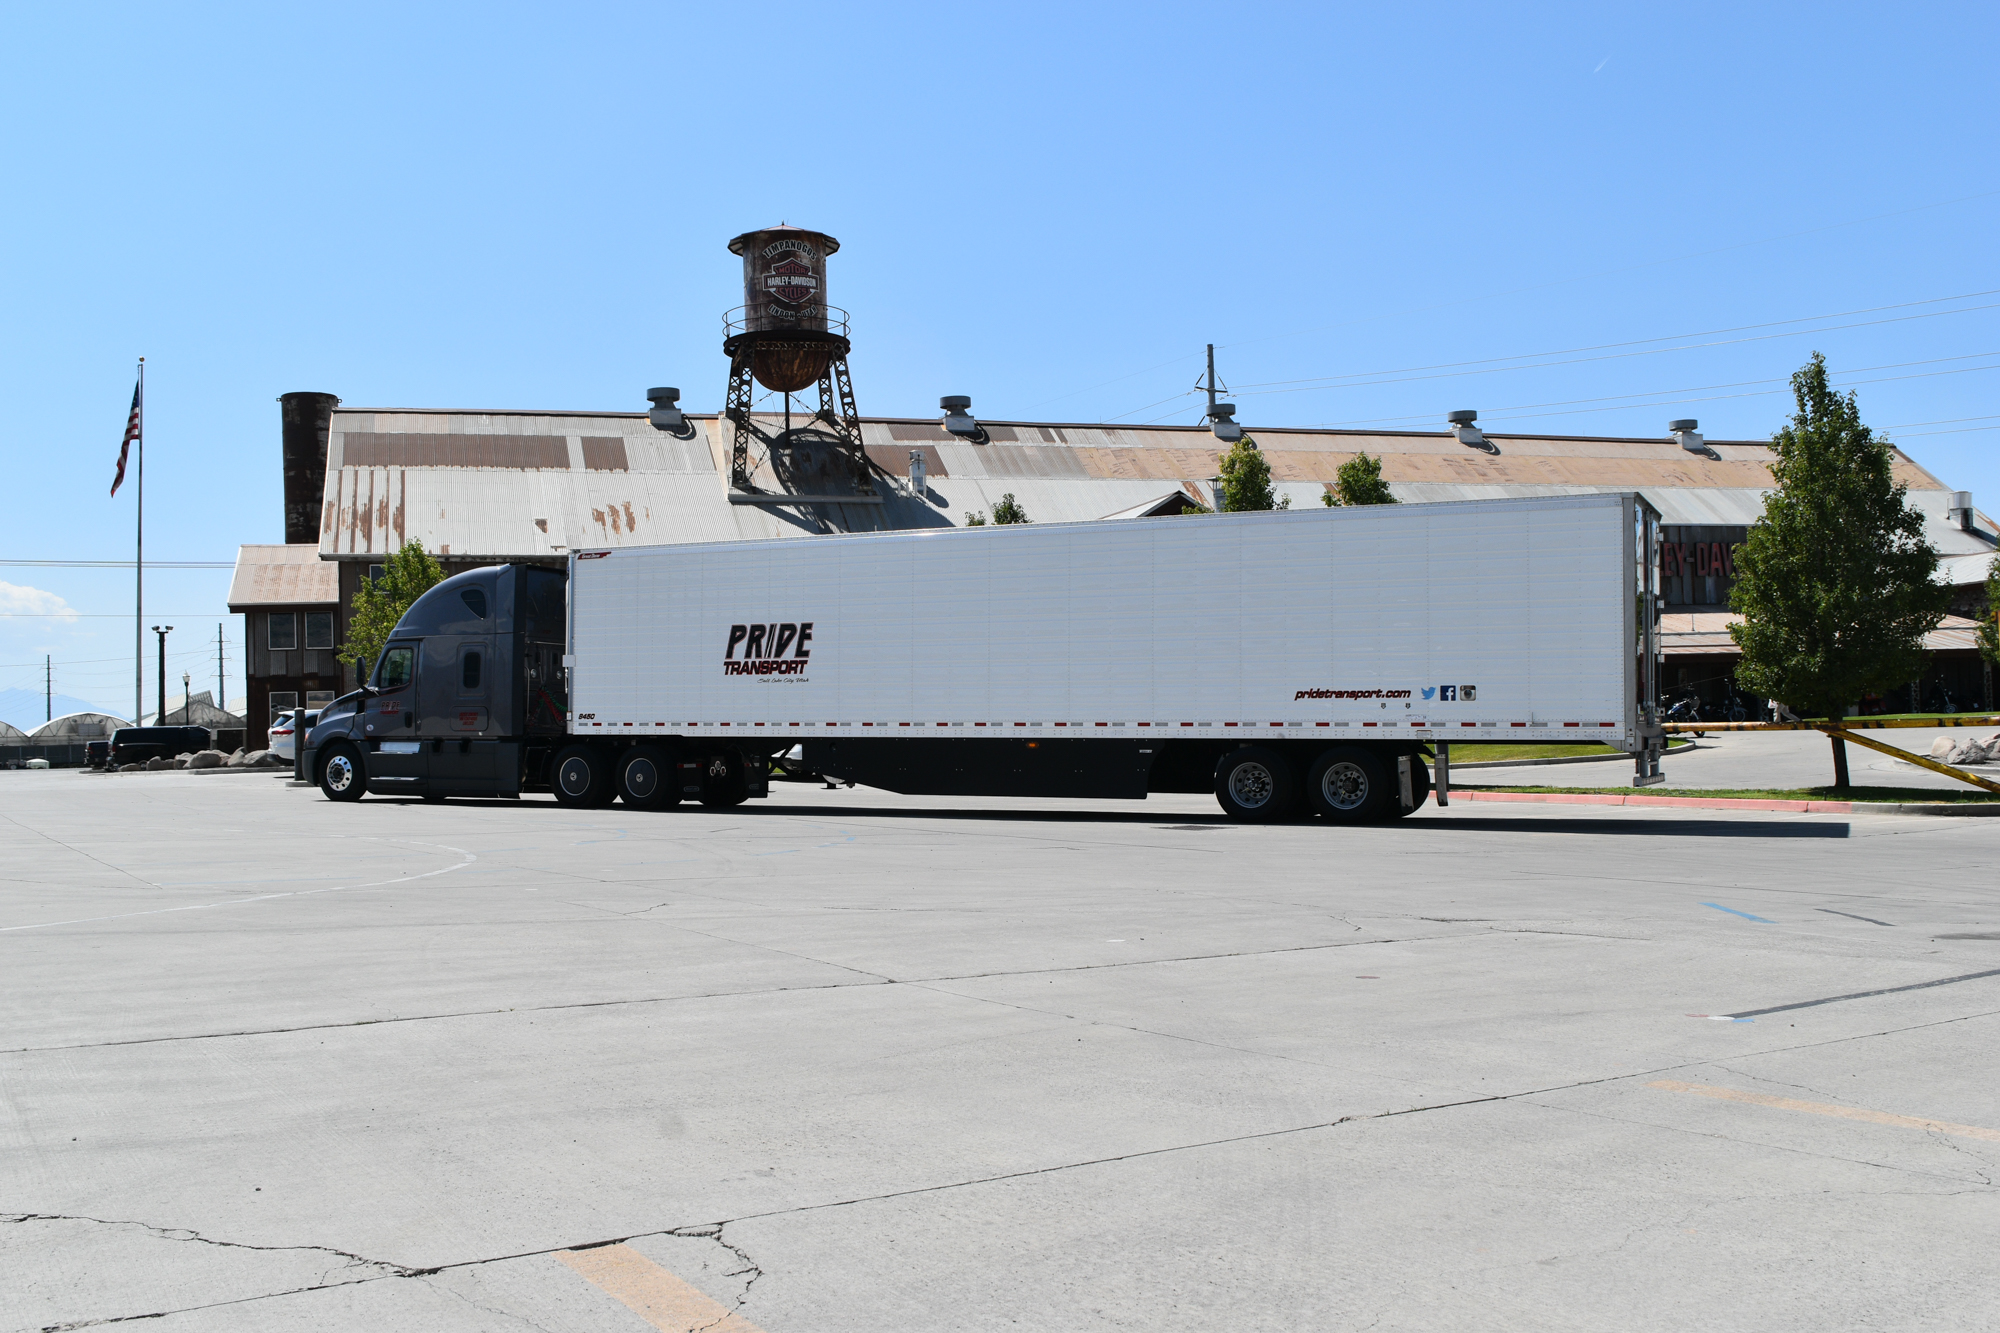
[(1846, 729), (1923, 761)]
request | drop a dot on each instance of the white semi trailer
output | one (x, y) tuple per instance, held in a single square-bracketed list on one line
[(1293, 662)]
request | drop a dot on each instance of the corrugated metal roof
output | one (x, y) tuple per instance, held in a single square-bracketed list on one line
[(540, 484), (282, 576), (1707, 633)]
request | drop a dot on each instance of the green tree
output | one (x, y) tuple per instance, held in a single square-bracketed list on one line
[(1008, 510), (1989, 628), (973, 520), (380, 603), (1834, 582), (1359, 482), (1246, 479)]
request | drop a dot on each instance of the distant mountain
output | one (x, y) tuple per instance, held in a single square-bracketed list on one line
[(26, 710)]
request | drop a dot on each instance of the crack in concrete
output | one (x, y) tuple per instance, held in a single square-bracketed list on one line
[(713, 1231), (873, 979), (188, 1235)]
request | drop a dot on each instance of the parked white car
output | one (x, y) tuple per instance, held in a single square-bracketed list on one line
[(284, 739)]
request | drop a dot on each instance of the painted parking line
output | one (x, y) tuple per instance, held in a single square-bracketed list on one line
[(1823, 1108), (651, 1292), (1745, 915)]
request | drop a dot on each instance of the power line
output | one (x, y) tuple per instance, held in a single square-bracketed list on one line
[(1613, 272), (124, 564), (1620, 356), (1634, 342), (1630, 398)]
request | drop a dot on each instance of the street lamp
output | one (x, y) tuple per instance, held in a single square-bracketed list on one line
[(187, 698), (160, 717)]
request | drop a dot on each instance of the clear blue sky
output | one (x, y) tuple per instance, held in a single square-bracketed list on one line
[(1048, 207)]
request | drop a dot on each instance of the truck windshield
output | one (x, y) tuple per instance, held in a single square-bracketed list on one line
[(394, 673)]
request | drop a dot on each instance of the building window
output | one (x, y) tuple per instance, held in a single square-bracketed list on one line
[(318, 699), (284, 632), (283, 702), (319, 629), (375, 572)]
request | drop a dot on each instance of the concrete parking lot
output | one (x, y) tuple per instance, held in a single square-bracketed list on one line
[(847, 1061)]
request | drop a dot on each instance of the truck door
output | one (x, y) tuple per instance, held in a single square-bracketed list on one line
[(395, 758), (458, 718)]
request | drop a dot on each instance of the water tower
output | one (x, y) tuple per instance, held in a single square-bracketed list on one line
[(787, 338)]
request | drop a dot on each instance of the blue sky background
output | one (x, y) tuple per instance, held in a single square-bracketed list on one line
[(1049, 207)]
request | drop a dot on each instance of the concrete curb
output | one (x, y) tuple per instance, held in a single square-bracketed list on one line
[(1988, 810), (197, 772), (1566, 759)]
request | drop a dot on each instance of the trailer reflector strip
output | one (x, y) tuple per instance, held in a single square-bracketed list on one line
[(1607, 724), (1572, 724)]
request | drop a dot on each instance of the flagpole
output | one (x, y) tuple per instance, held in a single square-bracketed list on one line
[(139, 566)]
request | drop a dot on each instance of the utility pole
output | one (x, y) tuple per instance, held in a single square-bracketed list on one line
[(139, 568), (48, 689), (221, 677), (159, 719), (187, 698), (1211, 381)]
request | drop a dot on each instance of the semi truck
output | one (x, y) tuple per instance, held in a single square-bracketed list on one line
[(1292, 663)]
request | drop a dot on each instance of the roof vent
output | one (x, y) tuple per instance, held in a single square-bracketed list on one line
[(1961, 509), (1468, 434), (958, 418), (1222, 422), (667, 415), (1684, 435)]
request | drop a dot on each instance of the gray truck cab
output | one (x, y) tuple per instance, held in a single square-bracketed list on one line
[(466, 699)]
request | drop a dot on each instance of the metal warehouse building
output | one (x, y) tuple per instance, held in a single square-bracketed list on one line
[(479, 487)]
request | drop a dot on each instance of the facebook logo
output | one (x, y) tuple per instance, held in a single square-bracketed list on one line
[(1447, 693)]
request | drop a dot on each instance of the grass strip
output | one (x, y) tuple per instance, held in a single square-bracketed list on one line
[(1897, 795), (1475, 754)]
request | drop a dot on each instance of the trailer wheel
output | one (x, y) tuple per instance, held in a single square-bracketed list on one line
[(647, 779), (1348, 785), (724, 782), (341, 775), (583, 778), (1254, 784)]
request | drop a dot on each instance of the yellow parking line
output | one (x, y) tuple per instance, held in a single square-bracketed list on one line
[(1822, 1108), (651, 1292)]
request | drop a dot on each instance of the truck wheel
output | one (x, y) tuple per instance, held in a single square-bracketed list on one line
[(341, 775), (647, 779), (583, 778), (1349, 785), (724, 782), (1254, 784)]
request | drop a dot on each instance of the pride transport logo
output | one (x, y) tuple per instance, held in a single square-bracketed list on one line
[(765, 648)]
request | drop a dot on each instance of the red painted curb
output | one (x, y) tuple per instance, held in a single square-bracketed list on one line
[(1685, 802)]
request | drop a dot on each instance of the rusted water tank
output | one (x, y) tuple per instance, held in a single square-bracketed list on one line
[(304, 419), (785, 323)]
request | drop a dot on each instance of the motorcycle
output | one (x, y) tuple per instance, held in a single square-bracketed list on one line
[(1687, 709)]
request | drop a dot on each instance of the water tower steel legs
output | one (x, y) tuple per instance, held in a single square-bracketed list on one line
[(836, 409)]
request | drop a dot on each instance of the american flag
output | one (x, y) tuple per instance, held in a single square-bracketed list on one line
[(131, 434)]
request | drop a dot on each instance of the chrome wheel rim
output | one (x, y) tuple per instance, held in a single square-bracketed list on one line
[(575, 777), (640, 778), (1344, 785), (1252, 785), (339, 773)]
